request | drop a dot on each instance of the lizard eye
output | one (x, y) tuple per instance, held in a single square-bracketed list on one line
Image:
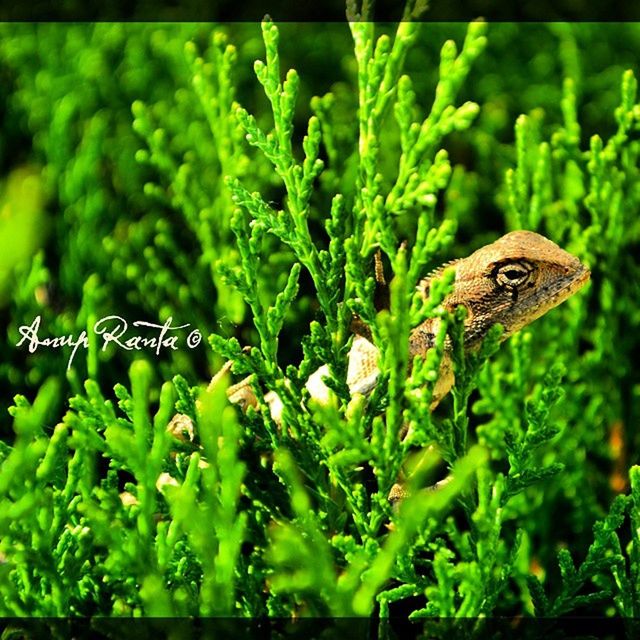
[(513, 274)]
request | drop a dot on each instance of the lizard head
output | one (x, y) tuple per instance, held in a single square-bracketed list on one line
[(514, 281)]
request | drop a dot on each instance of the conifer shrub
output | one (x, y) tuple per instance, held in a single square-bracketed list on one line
[(239, 179)]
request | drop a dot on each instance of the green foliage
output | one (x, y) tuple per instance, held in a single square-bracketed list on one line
[(179, 186)]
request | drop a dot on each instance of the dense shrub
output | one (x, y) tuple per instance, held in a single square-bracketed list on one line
[(149, 172)]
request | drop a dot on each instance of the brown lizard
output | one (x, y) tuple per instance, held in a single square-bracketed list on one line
[(512, 281)]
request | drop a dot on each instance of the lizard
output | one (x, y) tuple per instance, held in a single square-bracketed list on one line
[(512, 281)]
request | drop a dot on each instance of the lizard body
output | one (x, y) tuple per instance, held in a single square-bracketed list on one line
[(512, 281)]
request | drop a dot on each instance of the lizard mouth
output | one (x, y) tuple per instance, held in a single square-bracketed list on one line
[(575, 278), (581, 278), (574, 283)]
